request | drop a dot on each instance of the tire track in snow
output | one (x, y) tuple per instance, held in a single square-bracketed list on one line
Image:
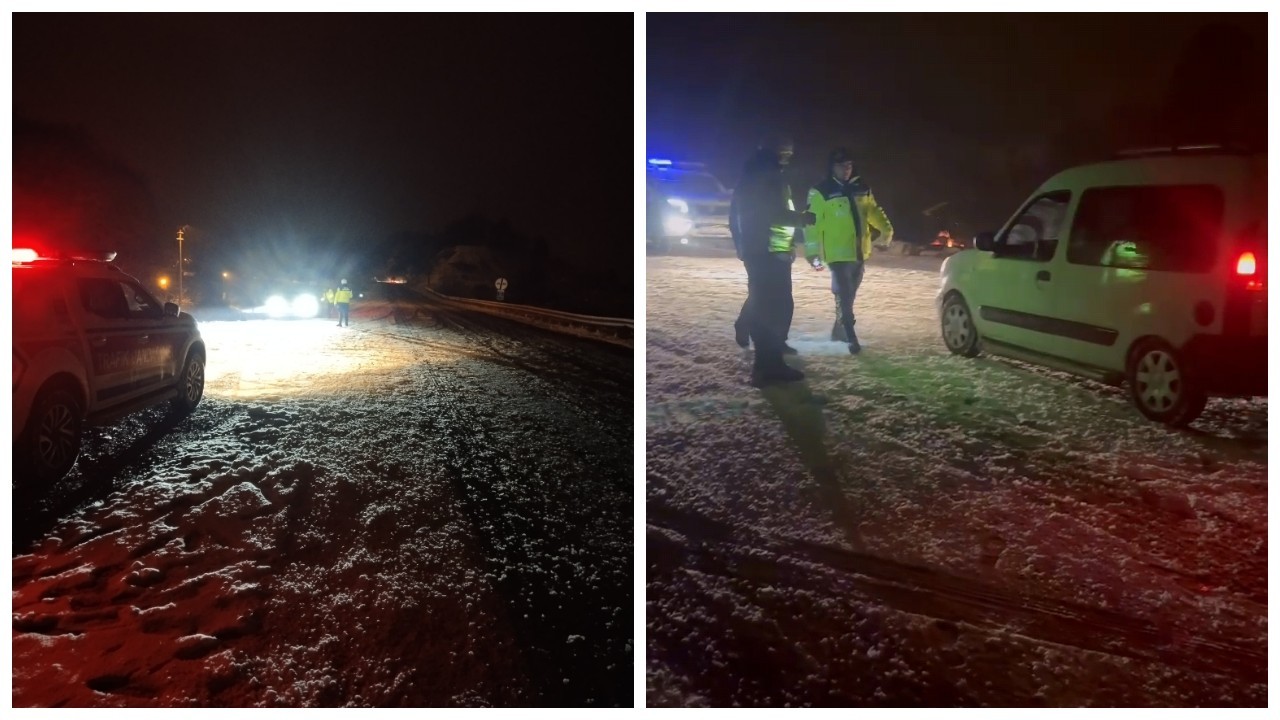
[(714, 548), (547, 533), (563, 595)]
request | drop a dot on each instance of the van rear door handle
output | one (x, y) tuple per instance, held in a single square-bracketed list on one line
[(1042, 275)]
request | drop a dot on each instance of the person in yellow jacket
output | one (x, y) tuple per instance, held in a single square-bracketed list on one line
[(343, 299), (845, 212), (328, 298)]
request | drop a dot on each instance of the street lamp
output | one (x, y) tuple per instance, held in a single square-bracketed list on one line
[(181, 269), (164, 283)]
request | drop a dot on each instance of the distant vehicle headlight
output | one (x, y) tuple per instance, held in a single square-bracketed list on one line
[(678, 204), (306, 306), (277, 306)]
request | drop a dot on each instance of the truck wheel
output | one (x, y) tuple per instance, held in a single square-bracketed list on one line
[(1162, 384)]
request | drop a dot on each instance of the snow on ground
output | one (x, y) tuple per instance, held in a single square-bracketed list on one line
[(908, 527), (425, 508)]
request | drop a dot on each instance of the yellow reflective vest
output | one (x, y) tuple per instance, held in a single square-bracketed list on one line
[(845, 213)]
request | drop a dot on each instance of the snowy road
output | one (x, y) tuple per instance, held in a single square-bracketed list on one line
[(907, 527), (426, 508)]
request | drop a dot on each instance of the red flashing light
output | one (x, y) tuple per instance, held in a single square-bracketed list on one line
[(24, 255), (1247, 264), (1247, 269)]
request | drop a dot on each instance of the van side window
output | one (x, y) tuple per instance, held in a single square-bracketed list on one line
[(1034, 234), (1167, 227)]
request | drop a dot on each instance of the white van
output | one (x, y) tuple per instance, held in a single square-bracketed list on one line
[(1148, 270)]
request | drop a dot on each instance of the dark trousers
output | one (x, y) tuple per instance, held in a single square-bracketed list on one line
[(784, 331), (769, 305), (784, 318), (846, 278), (344, 310)]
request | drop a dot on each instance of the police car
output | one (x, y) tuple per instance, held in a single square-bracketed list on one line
[(686, 205), (1148, 270), (90, 345)]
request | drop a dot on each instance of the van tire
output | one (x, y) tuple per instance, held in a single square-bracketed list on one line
[(1162, 384), (959, 333)]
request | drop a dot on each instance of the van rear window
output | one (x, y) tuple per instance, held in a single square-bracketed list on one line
[(1167, 227)]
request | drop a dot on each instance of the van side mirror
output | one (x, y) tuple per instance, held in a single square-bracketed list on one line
[(985, 241), (171, 309)]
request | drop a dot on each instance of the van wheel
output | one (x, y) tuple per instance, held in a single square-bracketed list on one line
[(1162, 385), (51, 442), (958, 331), (190, 385)]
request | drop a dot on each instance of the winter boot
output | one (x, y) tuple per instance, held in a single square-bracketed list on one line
[(855, 347), (837, 329), (765, 376)]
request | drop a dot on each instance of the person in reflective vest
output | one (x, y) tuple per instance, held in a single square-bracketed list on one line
[(763, 220), (328, 297), (845, 212), (342, 296)]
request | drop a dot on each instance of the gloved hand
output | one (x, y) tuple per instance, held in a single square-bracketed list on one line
[(816, 262), (808, 218)]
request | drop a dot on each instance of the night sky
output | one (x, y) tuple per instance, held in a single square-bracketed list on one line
[(348, 128), (973, 110)]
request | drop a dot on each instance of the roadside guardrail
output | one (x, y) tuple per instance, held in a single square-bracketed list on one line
[(618, 331)]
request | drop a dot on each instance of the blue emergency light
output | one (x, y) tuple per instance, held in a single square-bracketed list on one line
[(661, 162)]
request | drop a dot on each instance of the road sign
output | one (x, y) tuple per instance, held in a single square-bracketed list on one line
[(501, 284)]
